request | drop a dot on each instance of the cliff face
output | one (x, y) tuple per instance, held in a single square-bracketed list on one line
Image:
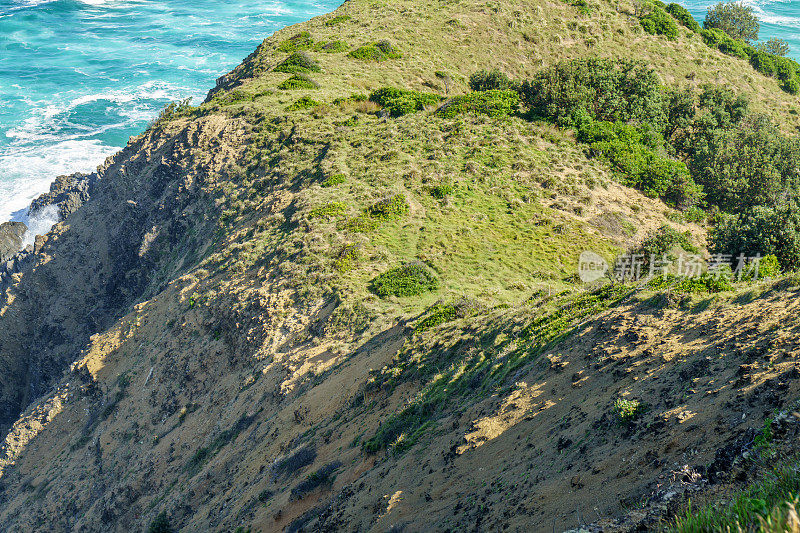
[(203, 336)]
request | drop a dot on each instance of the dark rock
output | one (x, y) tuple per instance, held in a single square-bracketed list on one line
[(11, 234), (68, 193)]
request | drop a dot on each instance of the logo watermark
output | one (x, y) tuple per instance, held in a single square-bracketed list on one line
[(632, 267)]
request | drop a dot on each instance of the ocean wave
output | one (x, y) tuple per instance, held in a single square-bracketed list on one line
[(54, 122), (27, 174)]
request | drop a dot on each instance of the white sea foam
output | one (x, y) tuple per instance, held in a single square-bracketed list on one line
[(27, 174)]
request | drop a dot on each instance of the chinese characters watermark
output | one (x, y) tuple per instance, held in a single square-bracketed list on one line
[(634, 267)]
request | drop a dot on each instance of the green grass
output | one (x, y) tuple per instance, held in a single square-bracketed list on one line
[(765, 503)]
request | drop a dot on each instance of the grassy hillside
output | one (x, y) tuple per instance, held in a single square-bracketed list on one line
[(287, 309)]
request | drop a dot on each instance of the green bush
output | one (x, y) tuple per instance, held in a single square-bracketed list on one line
[(389, 208), (441, 191), (683, 16), (760, 231), (160, 524), (603, 89), (330, 210), (485, 80), (336, 20), (301, 41), (661, 241), (774, 46), (359, 224), (332, 47), (298, 81), (763, 63), (334, 180), (401, 101), (792, 85), (706, 282), (627, 411), (747, 165), (725, 43), (410, 279), (736, 19), (297, 62), (324, 476), (633, 152), (303, 103), (659, 22), (379, 51), (494, 103), (438, 314)]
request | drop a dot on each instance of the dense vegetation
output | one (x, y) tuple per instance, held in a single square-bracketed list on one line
[(686, 146)]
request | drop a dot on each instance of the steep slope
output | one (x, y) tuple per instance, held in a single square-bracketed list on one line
[(203, 337)]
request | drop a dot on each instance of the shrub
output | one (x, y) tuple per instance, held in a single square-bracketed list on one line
[(301, 41), (485, 80), (323, 476), (442, 190), (380, 51), (763, 63), (410, 279), (724, 43), (626, 411), (303, 103), (336, 20), (659, 22), (333, 180), (359, 224), (494, 103), (329, 210), (736, 19), (632, 151), (760, 231), (401, 101), (706, 282), (602, 89), (774, 46), (296, 63), (751, 164), (292, 462), (160, 524), (660, 242), (389, 208), (439, 314), (347, 258), (792, 85), (233, 96), (332, 47), (683, 16), (298, 81)]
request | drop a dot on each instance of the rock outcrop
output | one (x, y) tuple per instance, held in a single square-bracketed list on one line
[(11, 235)]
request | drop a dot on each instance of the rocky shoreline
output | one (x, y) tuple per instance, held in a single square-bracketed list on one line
[(67, 194)]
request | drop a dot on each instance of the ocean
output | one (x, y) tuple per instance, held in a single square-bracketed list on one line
[(79, 77), (779, 18)]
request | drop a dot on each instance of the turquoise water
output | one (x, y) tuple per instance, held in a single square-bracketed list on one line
[(77, 78), (779, 18)]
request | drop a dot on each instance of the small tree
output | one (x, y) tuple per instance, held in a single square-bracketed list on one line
[(734, 18), (774, 46)]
